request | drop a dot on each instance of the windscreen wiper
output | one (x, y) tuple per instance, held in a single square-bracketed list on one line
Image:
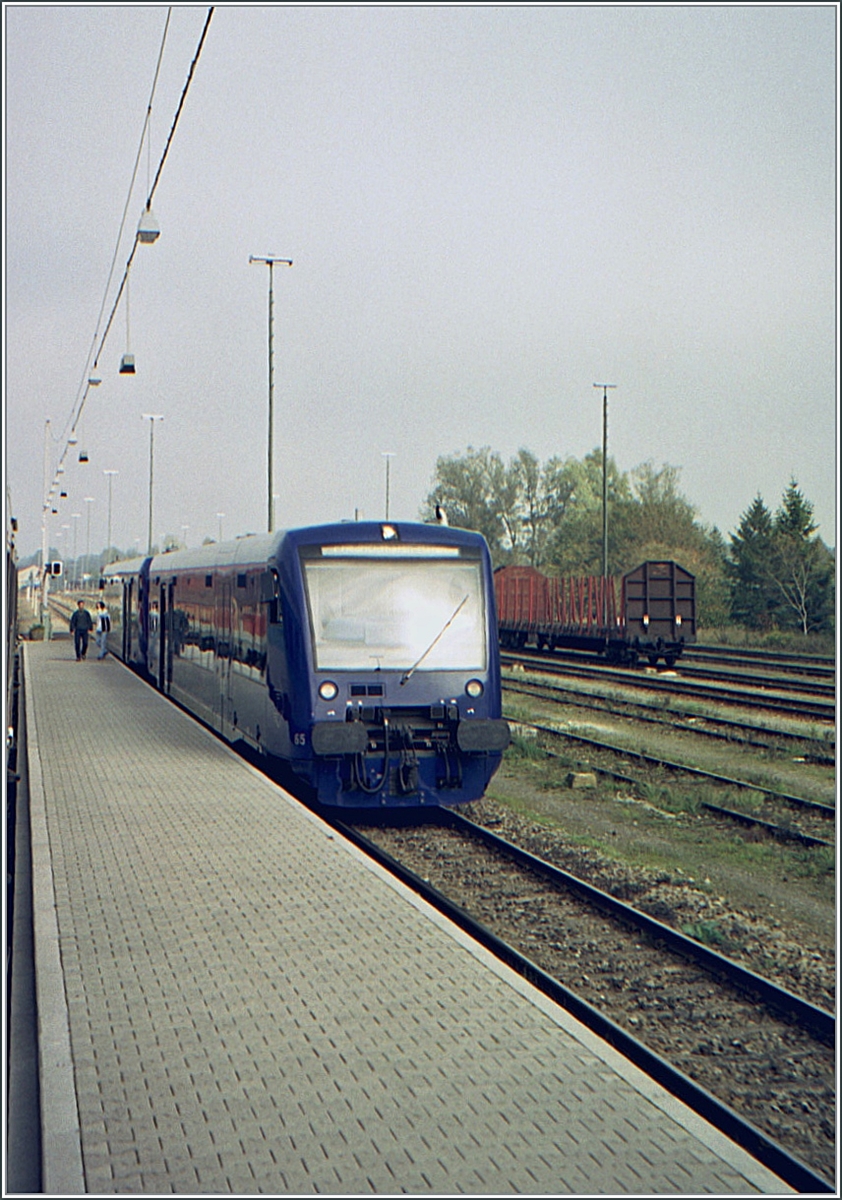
[(436, 639)]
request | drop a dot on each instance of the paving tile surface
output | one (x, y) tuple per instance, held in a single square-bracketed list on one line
[(254, 1008)]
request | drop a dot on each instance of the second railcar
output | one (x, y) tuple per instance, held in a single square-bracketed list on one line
[(363, 655), (655, 617)]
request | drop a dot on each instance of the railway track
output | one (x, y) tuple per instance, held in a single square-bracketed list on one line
[(818, 815), (752, 1057), (821, 665), (801, 684), (666, 683), (745, 733)]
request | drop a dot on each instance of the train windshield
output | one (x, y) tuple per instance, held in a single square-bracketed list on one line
[(428, 615)]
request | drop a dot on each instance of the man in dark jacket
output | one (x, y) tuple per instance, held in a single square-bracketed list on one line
[(81, 624)]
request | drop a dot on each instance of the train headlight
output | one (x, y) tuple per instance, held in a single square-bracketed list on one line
[(474, 688), (328, 690)]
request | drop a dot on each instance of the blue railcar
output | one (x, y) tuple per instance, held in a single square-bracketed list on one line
[(364, 656)]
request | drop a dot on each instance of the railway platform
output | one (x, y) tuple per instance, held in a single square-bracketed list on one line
[(233, 999)]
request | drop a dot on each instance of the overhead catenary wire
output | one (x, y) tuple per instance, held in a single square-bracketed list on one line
[(85, 384), (82, 393), (157, 178)]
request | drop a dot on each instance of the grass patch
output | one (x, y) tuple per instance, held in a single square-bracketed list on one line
[(737, 799), (786, 641), (711, 933), (668, 799), (522, 746), (817, 862)]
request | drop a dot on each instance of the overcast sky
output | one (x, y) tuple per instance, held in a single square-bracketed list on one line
[(488, 209)]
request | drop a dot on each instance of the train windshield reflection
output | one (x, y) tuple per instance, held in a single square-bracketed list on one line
[(382, 614)]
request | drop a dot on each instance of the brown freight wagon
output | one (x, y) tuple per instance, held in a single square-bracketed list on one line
[(655, 619)]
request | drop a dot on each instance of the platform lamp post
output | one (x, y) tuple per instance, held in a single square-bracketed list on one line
[(88, 501), (219, 517), (605, 387), (64, 582), (388, 455), (151, 418), (45, 579), (76, 517), (110, 475), (270, 261)]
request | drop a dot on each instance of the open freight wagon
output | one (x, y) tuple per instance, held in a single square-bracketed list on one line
[(654, 619)]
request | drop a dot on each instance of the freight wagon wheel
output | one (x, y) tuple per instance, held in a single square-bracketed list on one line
[(670, 660), (653, 660)]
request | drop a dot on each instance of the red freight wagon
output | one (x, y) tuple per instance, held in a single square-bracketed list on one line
[(656, 618)]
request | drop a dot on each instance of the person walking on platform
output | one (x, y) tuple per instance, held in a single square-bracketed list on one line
[(103, 628), (81, 624)]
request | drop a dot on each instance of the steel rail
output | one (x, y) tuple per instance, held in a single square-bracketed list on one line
[(824, 810), (804, 687), (657, 717), (821, 663), (790, 705), (776, 831), (790, 1168), (810, 1017)]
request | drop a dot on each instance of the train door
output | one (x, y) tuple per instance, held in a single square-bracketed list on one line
[(224, 650), (128, 590), (171, 634), (163, 639)]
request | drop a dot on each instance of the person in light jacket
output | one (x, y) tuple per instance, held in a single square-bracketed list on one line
[(103, 628)]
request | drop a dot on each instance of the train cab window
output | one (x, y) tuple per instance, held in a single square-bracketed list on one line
[(209, 581), (396, 612), (241, 581)]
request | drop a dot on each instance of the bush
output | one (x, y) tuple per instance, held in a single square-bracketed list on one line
[(788, 642)]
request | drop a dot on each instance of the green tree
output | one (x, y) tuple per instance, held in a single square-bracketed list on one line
[(574, 492), (801, 566), (529, 481), (551, 516), (471, 489), (753, 599), (781, 573)]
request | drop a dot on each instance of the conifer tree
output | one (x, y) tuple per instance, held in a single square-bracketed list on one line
[(753, 600)]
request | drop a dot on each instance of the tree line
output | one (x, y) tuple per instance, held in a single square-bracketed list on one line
[(774, 572)]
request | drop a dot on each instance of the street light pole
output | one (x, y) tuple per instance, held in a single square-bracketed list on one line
[(76, 517), (605, 387), (151, 418), (388, 455), (270, 261), (110, 475), (45, 585), (89, 501)]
